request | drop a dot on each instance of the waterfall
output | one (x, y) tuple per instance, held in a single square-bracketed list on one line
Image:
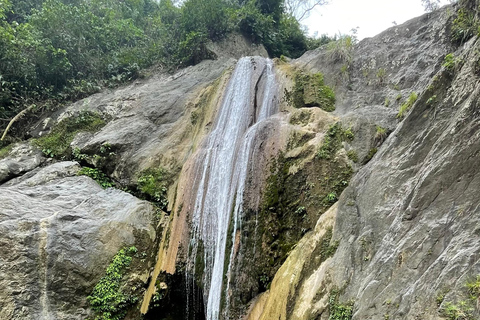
[(221, 170)]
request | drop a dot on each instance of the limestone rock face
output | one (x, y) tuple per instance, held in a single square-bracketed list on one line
[(407, 225), (58, 232)]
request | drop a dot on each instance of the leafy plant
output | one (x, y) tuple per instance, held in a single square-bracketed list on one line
[(352, 155), (97, 175), (108, 299), (464, 26), (450, 62), (339, 311), (342, 49), (407, 105), (370, 155)]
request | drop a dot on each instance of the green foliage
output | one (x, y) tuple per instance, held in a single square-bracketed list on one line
[(62, 50), (381, 75), (333, 139), (407, 105), (464, 26), (108, 299), (153, 183), (461, 311), (352, 155), (56, 144), (450, 62), (381, 133), (97, 175), (339, 311), (309, 90)]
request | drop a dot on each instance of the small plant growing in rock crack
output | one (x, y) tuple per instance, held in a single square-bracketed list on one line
[(339, 311), (97, 175), (450, 62), (381, 75), (370, 155), (108, 299), (342, 49), (407, 105), (464, 26)]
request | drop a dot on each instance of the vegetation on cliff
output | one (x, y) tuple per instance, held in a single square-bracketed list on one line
[(56, 51)]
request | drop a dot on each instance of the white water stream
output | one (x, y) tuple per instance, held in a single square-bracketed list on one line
[(222, 171)]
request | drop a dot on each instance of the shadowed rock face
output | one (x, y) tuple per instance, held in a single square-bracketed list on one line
[(58, 232)]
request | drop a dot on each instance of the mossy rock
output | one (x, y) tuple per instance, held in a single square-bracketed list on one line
[(56, 144), (309, 90)]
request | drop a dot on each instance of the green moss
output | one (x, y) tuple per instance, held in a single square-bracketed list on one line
[(298, 139), (291, 204), (309, 90), (56, 144), (333, 140), (153, 184), (97, 175), (199, 263), (407, 105), (108, 298), (301, 118)]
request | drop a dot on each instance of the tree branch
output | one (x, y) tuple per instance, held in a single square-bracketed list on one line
[(18, 116)]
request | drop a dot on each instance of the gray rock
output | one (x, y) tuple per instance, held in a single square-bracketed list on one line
[(58, 233), (22, 158)]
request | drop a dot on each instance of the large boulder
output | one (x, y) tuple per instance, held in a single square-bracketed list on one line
[(58, 233)]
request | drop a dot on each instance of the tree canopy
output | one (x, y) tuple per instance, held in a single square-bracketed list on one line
[(61, 50)]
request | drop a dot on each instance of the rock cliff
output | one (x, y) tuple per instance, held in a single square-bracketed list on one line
[(359, 196)]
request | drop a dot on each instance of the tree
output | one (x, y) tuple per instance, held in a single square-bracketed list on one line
[(300, 9)]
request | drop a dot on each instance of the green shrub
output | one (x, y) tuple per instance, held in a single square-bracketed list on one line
[(407, 105), (352, 155), (370, 155), (108, 299)]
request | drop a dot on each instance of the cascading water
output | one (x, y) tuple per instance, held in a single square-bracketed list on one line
[(221, 170)]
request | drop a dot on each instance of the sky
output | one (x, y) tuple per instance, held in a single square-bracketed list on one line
[(370, 16)]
